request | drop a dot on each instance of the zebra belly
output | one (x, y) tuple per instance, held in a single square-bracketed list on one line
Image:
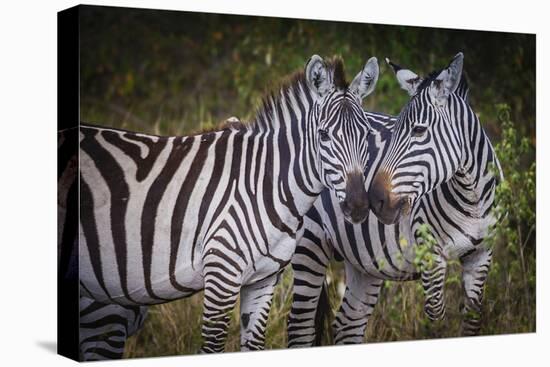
[(264, 266), (385, 252), (129, 252), (163, 288), (457, 233), (149, 274)]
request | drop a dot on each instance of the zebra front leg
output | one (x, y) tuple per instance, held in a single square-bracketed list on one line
[(220, 297), (474, 275), (255, 305), (359, 300), (309, 266), (433, 283)]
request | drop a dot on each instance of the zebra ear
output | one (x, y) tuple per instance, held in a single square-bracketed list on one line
[(408, 80), (317, 76), (363, 84), (447, 81)]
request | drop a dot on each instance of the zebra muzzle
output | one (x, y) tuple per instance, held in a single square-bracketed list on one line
[(387, 206), (356, 204)]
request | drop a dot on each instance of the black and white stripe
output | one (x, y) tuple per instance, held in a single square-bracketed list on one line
[(374, 251), (439, 143), (371, 252), (104, 328), (165, 217)]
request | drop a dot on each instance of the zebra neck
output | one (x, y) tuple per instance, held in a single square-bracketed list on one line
[(285, 129), (476, 178)]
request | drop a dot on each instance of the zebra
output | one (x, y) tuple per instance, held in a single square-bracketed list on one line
[(374, 251), (103, 328), (439, 139), (162, 218)]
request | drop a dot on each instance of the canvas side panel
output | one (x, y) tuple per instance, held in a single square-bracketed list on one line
[(67, 179)]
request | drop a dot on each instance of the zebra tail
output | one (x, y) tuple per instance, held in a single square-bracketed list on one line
[(322, 322)]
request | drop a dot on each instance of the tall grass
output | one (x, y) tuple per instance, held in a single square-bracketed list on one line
[(174, 328)]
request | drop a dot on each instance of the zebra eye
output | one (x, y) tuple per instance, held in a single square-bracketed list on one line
[(323, 134), (419, 130)]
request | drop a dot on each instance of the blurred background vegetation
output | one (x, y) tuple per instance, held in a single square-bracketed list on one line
[(172, 73)]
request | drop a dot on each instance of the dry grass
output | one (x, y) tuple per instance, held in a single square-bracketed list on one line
[(174, 328)]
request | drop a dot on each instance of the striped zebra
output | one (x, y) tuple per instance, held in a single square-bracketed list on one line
[(439, 139), (103, 328), (162, 218), (372, 252)]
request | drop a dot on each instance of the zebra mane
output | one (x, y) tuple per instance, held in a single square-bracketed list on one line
[(272, 99), (462, 89), (428, 80), (230, 124), (294, 84)]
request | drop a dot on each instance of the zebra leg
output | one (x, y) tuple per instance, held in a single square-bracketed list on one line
[(309, 266), (474, 275), (433, 282), (104, 328), (220, 297), (360, 298), (307, 289), (255, 305)]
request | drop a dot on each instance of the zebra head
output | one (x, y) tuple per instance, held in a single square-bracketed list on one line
[(426, 146), (342, 128)]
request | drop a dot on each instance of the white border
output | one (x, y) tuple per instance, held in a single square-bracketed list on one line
[(27, 143)]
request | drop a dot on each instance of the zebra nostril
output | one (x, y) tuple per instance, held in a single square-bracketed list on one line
[(345, 208), (378, 205)]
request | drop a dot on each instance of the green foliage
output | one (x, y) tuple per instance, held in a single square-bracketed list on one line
[(515, 195), (176, 73), (424, 249), (513, 236)]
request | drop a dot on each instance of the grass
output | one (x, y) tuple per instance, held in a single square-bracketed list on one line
[(179, 323), (174, 328)]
